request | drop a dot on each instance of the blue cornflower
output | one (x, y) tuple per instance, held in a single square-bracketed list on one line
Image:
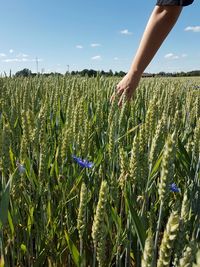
[(173, 187), (83, 163)]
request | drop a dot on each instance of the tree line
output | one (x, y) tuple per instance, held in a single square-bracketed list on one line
[(93, 73)]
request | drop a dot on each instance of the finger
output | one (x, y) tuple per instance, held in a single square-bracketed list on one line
[(128, 96), (131, 95), (114, 91), (115, 94), (113, 97), (121, 100), (120, 103), (120, 91)]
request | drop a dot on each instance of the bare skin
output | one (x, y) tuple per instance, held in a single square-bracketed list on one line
[(160, 23)]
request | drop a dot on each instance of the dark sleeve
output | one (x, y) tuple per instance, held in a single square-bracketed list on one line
[(174, 2)]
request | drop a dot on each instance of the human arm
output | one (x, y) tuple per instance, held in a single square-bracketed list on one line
[(160, 23)]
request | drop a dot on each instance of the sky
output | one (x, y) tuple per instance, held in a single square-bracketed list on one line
[(56, 36)]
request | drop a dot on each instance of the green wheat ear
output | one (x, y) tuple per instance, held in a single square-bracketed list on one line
[(197, 259), (167, 168), (166, 247), (182, 235), (98, 227), (148, 251), (81, 221), (188, 256), (134, 163)]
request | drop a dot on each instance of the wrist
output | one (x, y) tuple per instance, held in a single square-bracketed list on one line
[(134, 73)]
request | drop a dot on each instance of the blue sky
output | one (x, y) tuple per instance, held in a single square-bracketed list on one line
[(94, 34)]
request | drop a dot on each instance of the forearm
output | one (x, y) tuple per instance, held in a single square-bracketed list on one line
[(159, 25)]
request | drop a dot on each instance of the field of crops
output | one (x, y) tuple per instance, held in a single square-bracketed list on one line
[(85, 183)]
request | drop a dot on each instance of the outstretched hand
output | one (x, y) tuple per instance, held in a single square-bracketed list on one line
[(126, 87)]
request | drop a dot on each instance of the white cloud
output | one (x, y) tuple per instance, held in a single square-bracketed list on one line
[(22, 55), (184, 55), (11, 51), (116, 58), (126, 32), (96, 57), (95, 45), (38, 59), (171, 56), (79, 46), (193, 28), (2, 55), (12, 60)]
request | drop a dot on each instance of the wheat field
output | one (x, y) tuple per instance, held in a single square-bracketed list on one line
[(86, 183)]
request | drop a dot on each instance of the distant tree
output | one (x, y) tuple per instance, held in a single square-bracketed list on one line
[(110, 73), (161, 73), (102, 73), (194, 73), (23, 73), (74, 72), (84, 72), (92, 73), (121, 74)]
